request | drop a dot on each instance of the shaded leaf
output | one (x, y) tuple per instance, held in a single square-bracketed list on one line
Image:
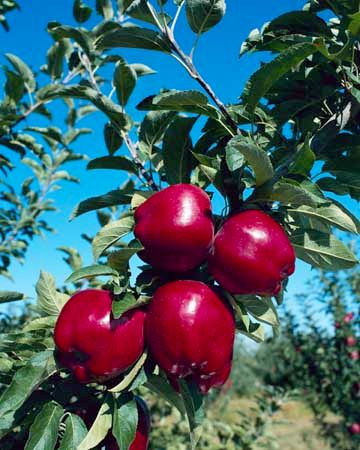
[(322, 250), (125, 420), (114, 163), (10, 296), (75, 432), (177, 147), (262, 80), (91, 272), (124, 81), (49, 299), (182, 101), (112, 198), (100, 427), (256, 157), (204, 14), (44, 430), (133, 37), (111, 233)]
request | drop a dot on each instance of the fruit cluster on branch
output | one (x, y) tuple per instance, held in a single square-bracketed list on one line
[(189, 326)]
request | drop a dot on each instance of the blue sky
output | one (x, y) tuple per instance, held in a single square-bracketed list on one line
[(216, 58)]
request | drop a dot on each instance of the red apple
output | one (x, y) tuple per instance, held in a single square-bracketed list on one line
[(350, 341), (349, 317), (190, 333), (355, 428), (175, 227), (251, 254), (94, 345)]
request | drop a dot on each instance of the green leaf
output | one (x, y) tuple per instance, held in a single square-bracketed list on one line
[(299, 22), (125, 303), (100, 427), (81, 11), (44, 430), (354, 24), (125, 420), (154, 125), (49, 299), (142, 70), (244, 325), (350, 181), (256, 157), (133, 37), (119, 259), (131, 375), (114, 163), (112, 198), (41, 323), (104, 104), (143, 10), (111, 233), (95, 270), (124, 81), (183, 101), (204, 14), (55, 58), (234, 159), (261, 308), (113, 140), (294, 194), (140, 197), (23, 70), (11, 296), (262, 80), (304, 161), (80, 35), (75, 432), (322, 250), (335, 215), (193, 403), (161, 386), (14, 86), (36, 370), (104, 7), (123, 5), (177, 147)]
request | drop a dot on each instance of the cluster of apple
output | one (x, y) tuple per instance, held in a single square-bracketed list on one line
[(188, 327)]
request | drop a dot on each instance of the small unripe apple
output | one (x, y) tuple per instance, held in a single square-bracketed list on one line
[(175, 227), (141, 441), (350, 341), (94, 345), (355, 428), (190, 333), (251, 254)]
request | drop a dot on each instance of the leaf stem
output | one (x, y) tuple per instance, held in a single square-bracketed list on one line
[(177, 15)]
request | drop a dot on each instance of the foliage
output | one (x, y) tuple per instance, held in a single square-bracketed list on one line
[(5, 7), (247, 431), (298, 112), (323, 364)]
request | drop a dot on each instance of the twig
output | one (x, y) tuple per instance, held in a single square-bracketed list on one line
[(194, 73), (27, 113), (132, 149)]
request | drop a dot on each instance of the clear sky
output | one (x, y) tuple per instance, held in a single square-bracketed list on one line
[(216, 58)]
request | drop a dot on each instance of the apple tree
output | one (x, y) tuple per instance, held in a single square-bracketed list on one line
[(279, 158)]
